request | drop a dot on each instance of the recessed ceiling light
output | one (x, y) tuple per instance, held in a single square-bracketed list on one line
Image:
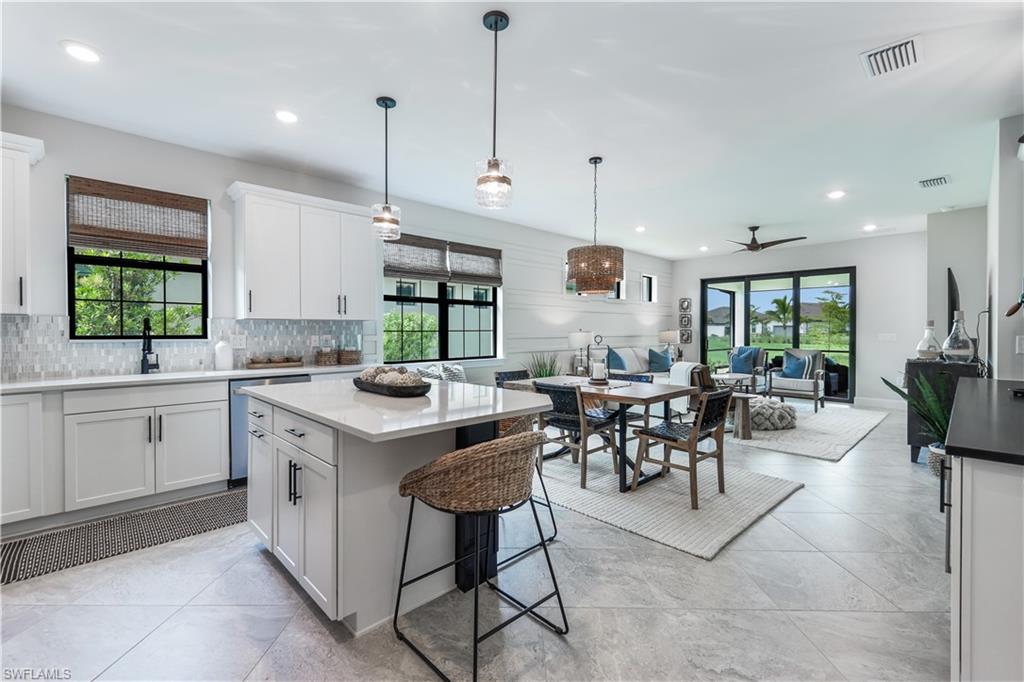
[(285, 116), (703, 249), (641, 228), (836, 194), (80, 51), (870, 227)]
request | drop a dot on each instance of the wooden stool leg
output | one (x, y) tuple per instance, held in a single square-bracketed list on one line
[(721, 464), (641, 454), (667, 459), (615, 451), (583, 466), (693, 477)]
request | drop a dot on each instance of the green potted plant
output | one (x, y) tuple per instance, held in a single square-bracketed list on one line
[(542, 365), (933, 408)]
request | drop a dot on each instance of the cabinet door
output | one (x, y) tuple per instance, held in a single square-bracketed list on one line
[(260, 485), (320, 262), (361, 269), (271, 259), (287, 514), (191, 445), (318, 483), (108, 456), (21, 457), (14, 232)]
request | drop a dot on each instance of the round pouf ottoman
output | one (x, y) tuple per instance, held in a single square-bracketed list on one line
[(771, 415)]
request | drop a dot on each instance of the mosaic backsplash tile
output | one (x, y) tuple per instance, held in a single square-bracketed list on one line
[(37, 346)]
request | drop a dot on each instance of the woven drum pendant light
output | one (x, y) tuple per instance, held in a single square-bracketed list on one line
[(386, 218), (494, 176), (595, 268)]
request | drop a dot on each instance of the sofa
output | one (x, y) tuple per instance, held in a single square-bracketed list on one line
[(635, 358)]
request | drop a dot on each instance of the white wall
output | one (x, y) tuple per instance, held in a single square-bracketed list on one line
[(1006, 249), (891, 286), (537, 315), (957, 240)]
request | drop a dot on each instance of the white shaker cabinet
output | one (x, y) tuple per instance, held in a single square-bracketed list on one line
[(267, 248), (361, 269), (320, 260), (287, 514), (260, 485), (19, 153), (108, 456), (21, 456), (191, 445)]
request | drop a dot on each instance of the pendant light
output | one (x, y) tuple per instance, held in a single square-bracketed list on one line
[(494, 176), (386, 218), (595, 268)]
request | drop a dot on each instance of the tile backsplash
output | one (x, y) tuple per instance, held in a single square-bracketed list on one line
[(37, 346)]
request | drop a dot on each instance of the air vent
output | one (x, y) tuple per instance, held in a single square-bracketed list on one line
[(892, 57), (929, 183)]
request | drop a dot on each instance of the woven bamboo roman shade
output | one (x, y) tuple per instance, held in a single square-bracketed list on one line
[(412, 257), (474, 264), (107, 215)]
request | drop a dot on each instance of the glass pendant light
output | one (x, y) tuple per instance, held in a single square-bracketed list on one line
[(595, 268), (386, 218), (494, 176)]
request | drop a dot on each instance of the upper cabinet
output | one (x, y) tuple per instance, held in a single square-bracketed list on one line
[(19, 154), (303, 257)]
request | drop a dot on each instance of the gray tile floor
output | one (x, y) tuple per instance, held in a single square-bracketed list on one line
[(843, 580)]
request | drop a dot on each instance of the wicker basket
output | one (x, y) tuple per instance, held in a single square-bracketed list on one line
[(326, 358), (350, 357)]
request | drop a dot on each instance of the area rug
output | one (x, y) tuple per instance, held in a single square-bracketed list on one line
[(828, 434), (49, 551), (660, 510)]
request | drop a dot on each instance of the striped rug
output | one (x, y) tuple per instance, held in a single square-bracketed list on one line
[(660, 510), (55, 550)]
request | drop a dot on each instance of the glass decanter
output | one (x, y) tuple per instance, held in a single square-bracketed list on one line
[(928, 347), (958, 346)]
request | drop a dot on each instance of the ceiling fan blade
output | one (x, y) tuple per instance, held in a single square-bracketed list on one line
[(743, 244), (740, 250), (765, 245)]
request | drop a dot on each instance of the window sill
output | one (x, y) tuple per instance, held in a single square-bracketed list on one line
[(138, 342), (469, 364)]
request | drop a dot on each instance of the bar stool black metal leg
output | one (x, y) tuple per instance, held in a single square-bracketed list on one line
[(401, 575), (554, 526), (476, 591), (551, 570)]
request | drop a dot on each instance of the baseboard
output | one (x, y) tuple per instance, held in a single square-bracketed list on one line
[(881, 403)]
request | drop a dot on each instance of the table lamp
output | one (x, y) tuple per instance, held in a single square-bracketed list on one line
[(580, 340), (669, 337)]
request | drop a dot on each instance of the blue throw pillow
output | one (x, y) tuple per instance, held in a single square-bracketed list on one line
[(615, 361), (794, 367), (742, 361), (660, 361)]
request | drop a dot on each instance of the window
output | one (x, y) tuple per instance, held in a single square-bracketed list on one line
[(440, 300), (648, 288), (133, 254)]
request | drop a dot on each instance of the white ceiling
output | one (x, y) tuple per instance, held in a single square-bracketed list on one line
[(710, 117)]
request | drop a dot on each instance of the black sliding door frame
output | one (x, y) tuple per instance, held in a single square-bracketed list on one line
[(795, 276)]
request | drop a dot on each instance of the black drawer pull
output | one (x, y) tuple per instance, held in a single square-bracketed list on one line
[(258, 415), (256, 433), (297, 434)]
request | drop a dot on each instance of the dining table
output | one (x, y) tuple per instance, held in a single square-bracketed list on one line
[(624, 393)]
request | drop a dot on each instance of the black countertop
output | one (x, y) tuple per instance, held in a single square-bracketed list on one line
[(987, 421)]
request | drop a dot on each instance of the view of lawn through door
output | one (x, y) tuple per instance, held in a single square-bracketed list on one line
[(811, 309)]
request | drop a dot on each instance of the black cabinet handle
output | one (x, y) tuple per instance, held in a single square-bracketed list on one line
[(345, 299), (149, 428), (250, 300), (295, 475), (256, 433), (258, 415), (21, 291), (291, 479), (339, 304), (297, 434), (160, 428), (943, 504)]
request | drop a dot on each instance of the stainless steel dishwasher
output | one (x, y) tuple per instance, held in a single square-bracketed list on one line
[(240, 423)]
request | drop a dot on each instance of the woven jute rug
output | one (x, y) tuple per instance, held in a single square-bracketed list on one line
[(660, 510), (55, 550), (828, 434)]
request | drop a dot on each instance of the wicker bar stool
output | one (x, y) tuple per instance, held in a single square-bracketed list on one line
[(481, 481)]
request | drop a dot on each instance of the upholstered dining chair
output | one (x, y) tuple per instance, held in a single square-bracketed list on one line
[(709, 425), (577, 423)]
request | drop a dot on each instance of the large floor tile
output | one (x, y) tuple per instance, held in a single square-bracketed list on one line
[(809, 580), (151, 583), (83, 640), (804, 500), (870, 500), (257, 580), (922, 531), (881, 646), (770, 534), (204, 643), (61, 587), (913, 582), (16, 618), (839, 533), (679, 580)]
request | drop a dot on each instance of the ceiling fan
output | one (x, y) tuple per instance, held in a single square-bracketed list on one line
[(754, 246)]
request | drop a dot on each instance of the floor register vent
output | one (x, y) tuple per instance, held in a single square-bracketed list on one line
[(892, 57)]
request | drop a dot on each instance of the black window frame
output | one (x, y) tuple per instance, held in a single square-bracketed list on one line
[(647, 288), (443, 301), (74, 259)]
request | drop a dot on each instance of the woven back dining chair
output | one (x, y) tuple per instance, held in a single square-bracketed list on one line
[(577, 423), (709, 424), (633, 416), (481, 481)]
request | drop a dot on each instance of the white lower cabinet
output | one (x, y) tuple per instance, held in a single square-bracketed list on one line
[(260, 485), (21, 457), (108, 456), (191, 445), (305, 528)]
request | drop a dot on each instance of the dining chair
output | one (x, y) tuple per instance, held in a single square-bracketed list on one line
[(577, 424), (709, 425), (632, 415)]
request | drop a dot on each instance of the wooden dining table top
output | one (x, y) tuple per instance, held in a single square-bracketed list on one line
[(619, 391)]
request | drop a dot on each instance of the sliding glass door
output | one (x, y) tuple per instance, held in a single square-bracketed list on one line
[(809, 309)]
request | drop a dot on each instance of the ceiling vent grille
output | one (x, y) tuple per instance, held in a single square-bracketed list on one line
[(929, 183), (892, 57)]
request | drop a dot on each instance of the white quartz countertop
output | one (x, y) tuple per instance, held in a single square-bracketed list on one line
[(119, 380), (340, 405)]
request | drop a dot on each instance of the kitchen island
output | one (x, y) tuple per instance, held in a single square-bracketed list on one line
[(325, 460)]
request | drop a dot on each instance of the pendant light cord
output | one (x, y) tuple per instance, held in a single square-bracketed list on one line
[(494, 101), (386, 156), (595, 204)]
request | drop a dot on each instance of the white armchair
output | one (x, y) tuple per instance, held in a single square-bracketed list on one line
[(812, 388)]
